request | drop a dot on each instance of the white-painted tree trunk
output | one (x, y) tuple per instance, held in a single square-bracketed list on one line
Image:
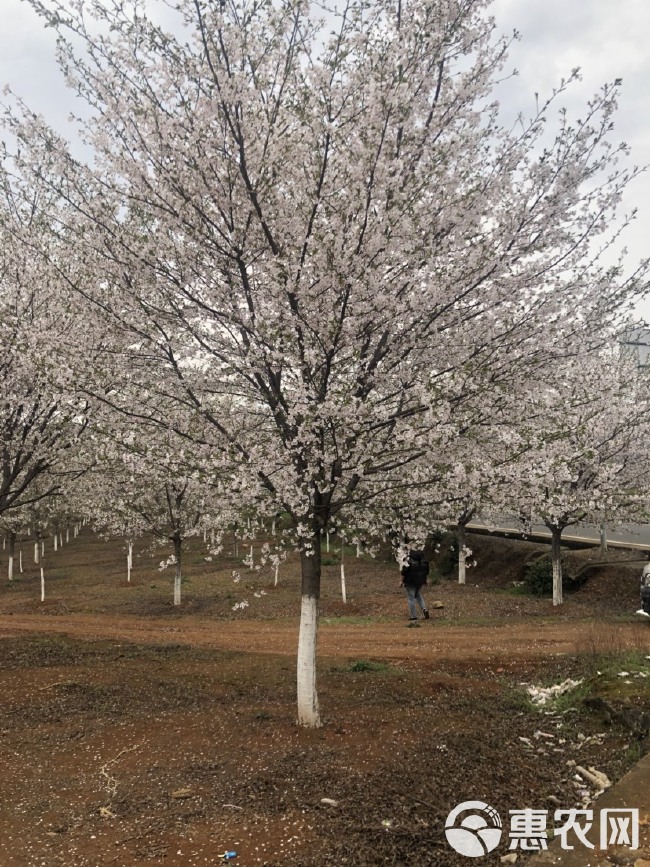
[(308, 710), (60, 540), (42, 585), (358, 550), (462, 560), (56, 544), (20, 561), (36, 550), (178, 571), (343, 594), (327, 541), (42, 547), (603, 537), (251, 562), (277, 567), (67, 534), (556, 558), (10, 561), (129, 561), (273, 527)]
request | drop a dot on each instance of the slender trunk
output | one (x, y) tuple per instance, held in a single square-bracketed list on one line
[(129, 561), (251, 561), (10, 564), (327, 543), (277, 567), (42, 547), (36, 550), (308, 711), (273, 527), (462, 560), (556, 558), (67, 535), (178, 542), (56, 544), (205, 537), (60, 540), (42, 585), (603, 537), (20, 561)]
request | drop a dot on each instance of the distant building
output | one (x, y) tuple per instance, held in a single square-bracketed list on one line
[(636, 341)]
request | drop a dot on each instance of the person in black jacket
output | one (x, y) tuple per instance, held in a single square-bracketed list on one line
[(414, 577)]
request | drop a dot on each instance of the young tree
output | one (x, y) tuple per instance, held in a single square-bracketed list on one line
[(323, 225), (586, 432)]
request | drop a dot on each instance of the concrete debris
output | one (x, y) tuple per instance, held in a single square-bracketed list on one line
[(596, 778), (541, 694)]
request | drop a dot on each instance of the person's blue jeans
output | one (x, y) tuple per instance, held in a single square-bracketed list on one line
[(413, 596)]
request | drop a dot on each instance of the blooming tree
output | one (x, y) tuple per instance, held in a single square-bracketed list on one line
[(322, 226), (41, 418), (586, 432)]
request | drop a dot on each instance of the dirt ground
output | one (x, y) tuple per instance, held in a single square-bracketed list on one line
[(133, 733)]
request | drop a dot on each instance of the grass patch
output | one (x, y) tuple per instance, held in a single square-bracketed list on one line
[(351, 620), (368, 665)]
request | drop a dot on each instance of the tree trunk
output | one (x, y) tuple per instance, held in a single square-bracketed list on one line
[(10, 564), (277, 567), (252, 561), (462, 563), (42, 585), (67, 535), (556, 559), (56, 543), (178, 542), (20, 561), (129, 561), (36, 550), (603, 537), (308, 712)]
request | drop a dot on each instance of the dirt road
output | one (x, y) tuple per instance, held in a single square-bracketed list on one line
[(373, 640)]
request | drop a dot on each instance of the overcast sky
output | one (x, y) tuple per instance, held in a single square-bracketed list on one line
[(608, 39)]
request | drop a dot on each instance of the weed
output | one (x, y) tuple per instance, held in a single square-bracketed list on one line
[(368, 665)]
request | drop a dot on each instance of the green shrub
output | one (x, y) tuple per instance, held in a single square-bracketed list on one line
[(446, 558), (538, 577)]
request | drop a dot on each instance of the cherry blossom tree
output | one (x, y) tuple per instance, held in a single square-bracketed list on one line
[(320, 236), (587, 431), (42, 419)]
